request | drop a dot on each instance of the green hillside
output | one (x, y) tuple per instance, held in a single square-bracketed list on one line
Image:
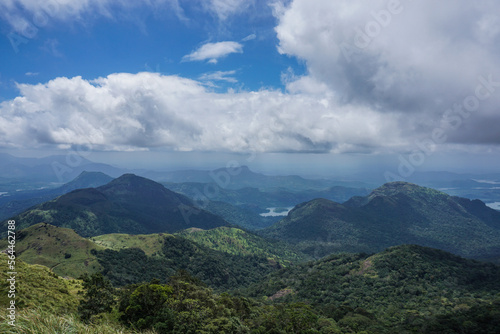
[(127, 259), (215, 268), (396, 213), (128, 204), (60, 249), (404, 288), (37, 286), (151, 244), (238, 242)]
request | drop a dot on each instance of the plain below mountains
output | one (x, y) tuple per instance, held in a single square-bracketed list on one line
[(394, 214), (128, 204)]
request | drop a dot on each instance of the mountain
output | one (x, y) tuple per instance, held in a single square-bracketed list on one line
[(16, 202), (128, 204), (262, 199), (393, 214), (244, 206), (404, 289), (57, 168), (240, 177), (85, 180)]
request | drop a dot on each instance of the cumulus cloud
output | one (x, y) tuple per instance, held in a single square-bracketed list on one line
[(413, 58), (149, 110), (214, 51)]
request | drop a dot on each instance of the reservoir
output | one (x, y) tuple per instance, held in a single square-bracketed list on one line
[(275, 212)]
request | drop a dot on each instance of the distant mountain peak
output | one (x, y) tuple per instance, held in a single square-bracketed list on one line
[(400, 187), (131, 180)]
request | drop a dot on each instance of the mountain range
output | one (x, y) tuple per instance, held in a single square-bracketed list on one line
[(128, 204), (393, 214)]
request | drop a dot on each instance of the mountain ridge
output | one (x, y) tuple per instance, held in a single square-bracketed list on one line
[(128, 204), (396, 213)]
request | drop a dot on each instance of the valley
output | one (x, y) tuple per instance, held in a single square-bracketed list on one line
[(325, 259)]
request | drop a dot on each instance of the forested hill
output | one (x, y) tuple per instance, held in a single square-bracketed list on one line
[(396, 213), (402, 289), (128, 204)]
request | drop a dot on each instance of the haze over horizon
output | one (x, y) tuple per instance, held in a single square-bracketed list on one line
[(309, 87)]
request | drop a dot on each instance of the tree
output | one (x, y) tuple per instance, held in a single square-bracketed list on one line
[(99, 296), (148, 307)]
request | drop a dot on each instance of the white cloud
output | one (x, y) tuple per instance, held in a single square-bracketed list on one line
[(147, 110), (219, 76), (249, 38), (214, 51), (26, 17), (225, 8), (415, 59)]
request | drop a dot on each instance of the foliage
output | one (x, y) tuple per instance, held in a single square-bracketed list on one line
[(128, 204), (215, 268), (98, 298), (238, 242), (185, 306), (396, 213), (61, 249), (409, 288)]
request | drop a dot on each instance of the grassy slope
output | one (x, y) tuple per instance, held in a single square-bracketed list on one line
[(49, 245), (149, 243), (37, 286), (238, 242)]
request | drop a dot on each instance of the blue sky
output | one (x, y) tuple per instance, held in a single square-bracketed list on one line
[(412, 85), (145, 38)]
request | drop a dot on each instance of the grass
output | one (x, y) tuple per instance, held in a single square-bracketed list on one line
[(37, 286), (149, 243), (39, 321), (61, 249)]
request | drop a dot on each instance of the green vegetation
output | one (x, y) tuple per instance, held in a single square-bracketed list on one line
[(37, 286), (396, 213), (407, 288), (186, 306), (238, 242), (60, 249), (151, 244), (215, 268), (128, 204), (99, 296), (40, 321)]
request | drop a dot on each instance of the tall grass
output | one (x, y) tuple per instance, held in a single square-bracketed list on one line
[(37, 321)]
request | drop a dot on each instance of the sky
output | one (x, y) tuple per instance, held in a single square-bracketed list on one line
[(395, 85)]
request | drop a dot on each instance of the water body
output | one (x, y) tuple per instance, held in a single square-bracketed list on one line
[(273, 213), (2, 193), (494, 205)]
